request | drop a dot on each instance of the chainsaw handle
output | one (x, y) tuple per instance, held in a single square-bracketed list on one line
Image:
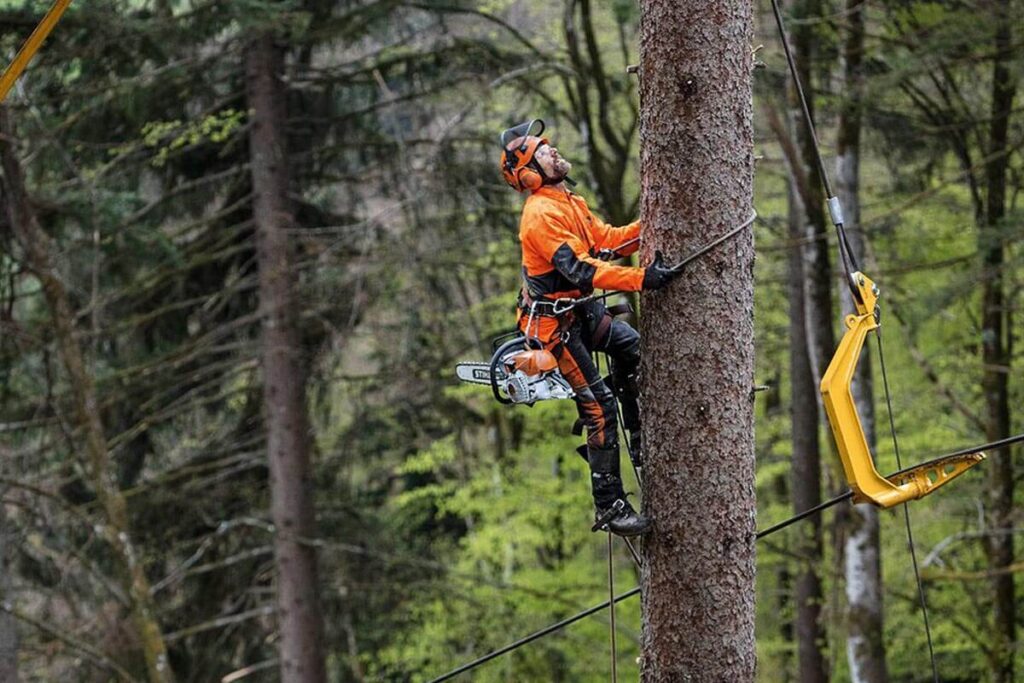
[(521, 342)]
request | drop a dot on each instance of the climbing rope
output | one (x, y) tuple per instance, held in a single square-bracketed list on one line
[(611, 607), (906, 512)]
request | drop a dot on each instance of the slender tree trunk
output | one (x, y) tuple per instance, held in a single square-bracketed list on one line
[(865, 649), (995, 380), (811, 345), (805, 473), (817, 269), (39, 250), (697, 181), (8, 625), (287, 425), (783, 574)]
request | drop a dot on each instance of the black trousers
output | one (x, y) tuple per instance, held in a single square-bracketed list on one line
[(593, 329)]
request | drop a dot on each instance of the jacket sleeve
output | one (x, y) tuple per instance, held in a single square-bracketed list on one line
[(550, 236), (607, 237)]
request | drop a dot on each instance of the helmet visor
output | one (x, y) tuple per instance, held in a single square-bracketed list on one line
[(522, 131)]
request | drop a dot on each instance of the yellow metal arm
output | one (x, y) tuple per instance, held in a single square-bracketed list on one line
[(867, 484), (30, 47)]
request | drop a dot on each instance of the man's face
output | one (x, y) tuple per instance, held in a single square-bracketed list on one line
[(551, 162)]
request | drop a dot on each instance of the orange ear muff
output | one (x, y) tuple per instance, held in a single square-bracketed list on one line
[(530, 179), (515, 166)]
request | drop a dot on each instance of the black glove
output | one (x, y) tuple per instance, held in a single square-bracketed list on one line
[(658, 274)]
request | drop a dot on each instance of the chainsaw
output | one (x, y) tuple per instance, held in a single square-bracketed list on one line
[(520, 371)]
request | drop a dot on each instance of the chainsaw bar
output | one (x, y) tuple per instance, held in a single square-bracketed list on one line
[(474, 373)]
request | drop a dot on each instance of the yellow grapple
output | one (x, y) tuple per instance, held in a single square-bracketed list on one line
[(867, 484)]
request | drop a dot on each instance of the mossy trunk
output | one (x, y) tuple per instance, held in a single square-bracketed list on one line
[(39, 253)]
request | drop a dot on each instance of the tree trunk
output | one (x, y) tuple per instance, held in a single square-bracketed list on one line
[(811, 345), (818, 269), (39, 250), (865, 649), (805, 473), (287, 425), (995, 380), (8, 625), (697, 371)]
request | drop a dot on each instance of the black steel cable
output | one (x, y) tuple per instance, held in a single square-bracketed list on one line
[(803, 99), (906, 512), (711, 245), (990, 446), (761, 534), (845, 252), (628, 594), (803, 515), (534, 636)]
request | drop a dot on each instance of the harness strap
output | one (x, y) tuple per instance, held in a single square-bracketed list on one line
[(620, 309), (604, 326)]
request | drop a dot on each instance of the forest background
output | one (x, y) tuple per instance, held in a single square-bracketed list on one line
[(447, 525)]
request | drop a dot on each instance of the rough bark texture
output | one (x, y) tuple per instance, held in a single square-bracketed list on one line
[(865, 648), (697, 373), (996, 359), (38, 253), (298, 607)]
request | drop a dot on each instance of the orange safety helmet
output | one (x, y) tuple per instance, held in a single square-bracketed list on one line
[(519, 168)]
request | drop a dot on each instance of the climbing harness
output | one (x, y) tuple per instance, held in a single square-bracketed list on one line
[(521, 371), (31, 46)]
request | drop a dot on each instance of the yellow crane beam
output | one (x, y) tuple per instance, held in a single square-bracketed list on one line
[(867, 484), (31, 46)]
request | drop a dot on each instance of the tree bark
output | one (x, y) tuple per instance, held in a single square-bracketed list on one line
[(8, 624), (996, 360), (697, 370), (865, 648), (39, 250), (287, 424)]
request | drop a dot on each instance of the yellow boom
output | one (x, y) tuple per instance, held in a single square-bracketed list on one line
[(31, 46), (867, 484)]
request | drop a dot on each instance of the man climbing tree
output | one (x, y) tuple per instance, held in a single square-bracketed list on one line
[(696, 142), (563, 246)]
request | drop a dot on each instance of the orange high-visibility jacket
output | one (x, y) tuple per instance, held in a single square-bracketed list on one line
[(561, 238)]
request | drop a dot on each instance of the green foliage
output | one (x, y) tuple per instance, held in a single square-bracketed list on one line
[(448, 525), (165, 137)]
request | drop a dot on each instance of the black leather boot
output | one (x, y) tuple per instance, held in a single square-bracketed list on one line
[(620, 518), (613, 510)]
